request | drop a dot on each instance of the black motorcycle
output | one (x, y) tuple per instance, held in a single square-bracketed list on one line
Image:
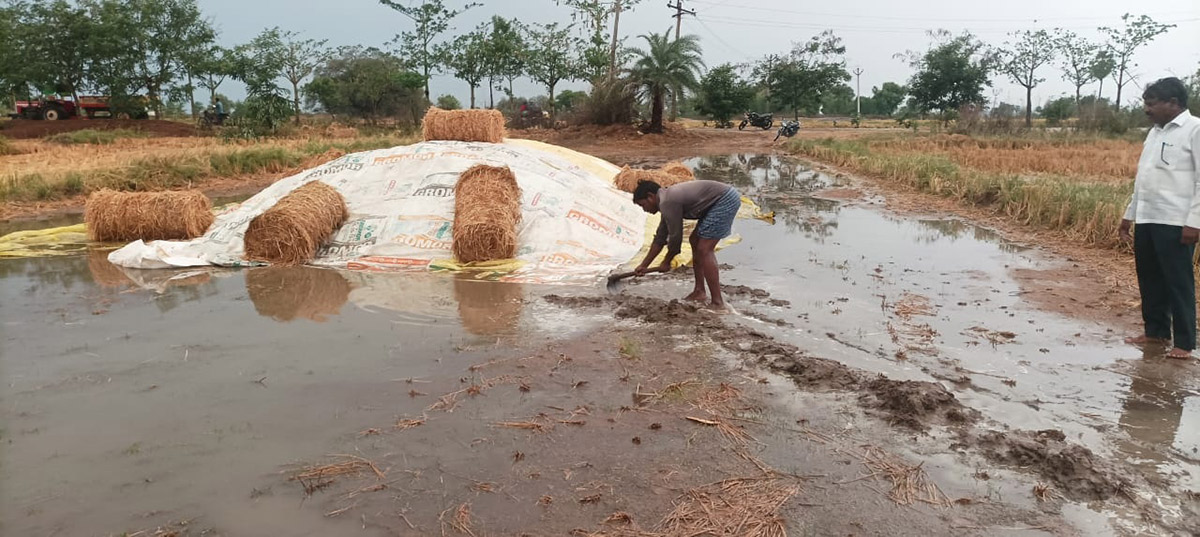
[(210, 118), (762, 121), (789, 129)]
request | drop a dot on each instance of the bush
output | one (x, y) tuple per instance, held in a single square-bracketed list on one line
[(448, 102), (611, 103)]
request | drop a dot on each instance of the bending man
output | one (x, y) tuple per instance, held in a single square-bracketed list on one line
[(714, 205)]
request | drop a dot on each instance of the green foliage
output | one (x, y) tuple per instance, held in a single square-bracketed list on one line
[(470, 60), (1124, 42), (1193, 84), (950, 75), (506, 52), (1057, 110), (667, 66), (723, 94), (838, 101), (611, 102), (799, 80), (212, 67), (448, 102), (1021, 59), (569, 100), (551, 56), (367, 83), (430, 19), (884, 100), (299, 57), (6, 147), (57, 45), (1076, 57), (263, 112), (92, 136)]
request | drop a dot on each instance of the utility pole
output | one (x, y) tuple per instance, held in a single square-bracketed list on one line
[(679, 11), (858, 91), (612, 54)]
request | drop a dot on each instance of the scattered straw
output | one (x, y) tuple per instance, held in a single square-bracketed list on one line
[(911, 305), (487, 210), (405, 424), (460, 522), (678, 169), (1044, 492), (289, 293), (910, 484), (316, 477), (125, 216), (463, 125), (745, 507), (628, 179), (291, 232)]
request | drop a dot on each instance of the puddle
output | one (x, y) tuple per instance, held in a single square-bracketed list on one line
[(848, 268), (125, 389)]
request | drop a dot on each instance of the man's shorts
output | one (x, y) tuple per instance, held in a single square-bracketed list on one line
[(717, 222)]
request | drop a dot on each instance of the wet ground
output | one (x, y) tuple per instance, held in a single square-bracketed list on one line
[(234, 400)]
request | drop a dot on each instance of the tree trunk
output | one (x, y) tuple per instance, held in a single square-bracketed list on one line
[(296, 100), (426, 71), (192, 96), (553, 108), (491, 94), (656, 112), (612, 53), (510, 90), (1028, 107), (674, 106), (1120, 85), (472, 96)]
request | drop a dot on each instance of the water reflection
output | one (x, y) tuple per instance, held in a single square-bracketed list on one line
[(289, 293), (489, 308), (1153, 412), (106, 274), (942, 229)]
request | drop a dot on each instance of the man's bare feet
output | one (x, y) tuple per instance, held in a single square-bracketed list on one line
[(1143, 339), (1179, 354), (697, 296), (721, 307)]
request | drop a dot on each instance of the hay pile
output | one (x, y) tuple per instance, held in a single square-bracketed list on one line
[(678, 169), (487, 209), (289, 293), (488, 308), (463, 125), (125, 216), (290, 232), (628, 179)]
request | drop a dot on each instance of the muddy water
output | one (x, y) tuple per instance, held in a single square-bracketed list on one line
[(849, 271), (135, 397)]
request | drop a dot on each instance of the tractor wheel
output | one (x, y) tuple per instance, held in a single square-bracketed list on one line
[(52, 114)]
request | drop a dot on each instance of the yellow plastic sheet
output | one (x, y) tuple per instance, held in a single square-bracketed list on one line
[(45, 242)]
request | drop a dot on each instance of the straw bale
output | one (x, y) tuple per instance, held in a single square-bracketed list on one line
[(291, 232), (289, 293), (678, 169), (487, 210), (489, 308), (105, 273), (628, 179), (463, 125), (125, 216)]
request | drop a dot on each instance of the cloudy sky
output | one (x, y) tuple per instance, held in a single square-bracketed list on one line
[(744, 30)]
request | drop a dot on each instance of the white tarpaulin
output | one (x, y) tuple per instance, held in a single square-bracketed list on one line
[(575, 225)]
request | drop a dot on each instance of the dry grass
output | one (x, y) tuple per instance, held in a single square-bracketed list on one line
[(910, 484), (287, 293), (127, 216), (911, 305), (629, 178), (745, 507), (487, 210), (290, 232), (1103, 160), (463, 125), (678, 169), (317, 477)]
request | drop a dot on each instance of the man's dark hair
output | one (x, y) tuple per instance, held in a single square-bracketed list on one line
[(644, 189), (1165, 89)]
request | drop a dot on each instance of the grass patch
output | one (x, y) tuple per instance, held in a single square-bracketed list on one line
[(630, 348), (94, 137), (7, 148), (1088, 212)]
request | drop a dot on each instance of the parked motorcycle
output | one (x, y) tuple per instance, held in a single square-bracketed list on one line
[(789, 129), (762, 121)]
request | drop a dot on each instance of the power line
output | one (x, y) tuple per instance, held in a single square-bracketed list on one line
[(737, 21), (858, 16), (679, 11), (717, 36)]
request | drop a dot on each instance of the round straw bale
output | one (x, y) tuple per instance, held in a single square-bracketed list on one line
[(104, 273), (488, 308), (487, 209), (288, 293), (463, 125), (678, 169), (125, 216), (291, 232)]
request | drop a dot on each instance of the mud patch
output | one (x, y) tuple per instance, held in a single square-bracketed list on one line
[(915, 404), (1077, 472)]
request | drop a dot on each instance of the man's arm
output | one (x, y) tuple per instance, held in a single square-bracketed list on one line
[(1191, 229), (656, 246)]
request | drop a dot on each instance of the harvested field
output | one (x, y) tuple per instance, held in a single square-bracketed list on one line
[(23, 128)]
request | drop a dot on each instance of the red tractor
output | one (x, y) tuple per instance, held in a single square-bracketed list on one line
[(54, 107)]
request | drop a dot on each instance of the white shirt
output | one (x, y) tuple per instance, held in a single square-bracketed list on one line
[(1167, 188)]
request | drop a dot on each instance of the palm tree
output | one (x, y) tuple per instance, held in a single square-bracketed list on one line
[(667, 66)]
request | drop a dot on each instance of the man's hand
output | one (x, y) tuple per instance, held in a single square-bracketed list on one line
[(1123, 231), (1190, 235), (641, 270)]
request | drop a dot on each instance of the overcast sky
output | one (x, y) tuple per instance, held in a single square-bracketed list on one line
[(744, 30)]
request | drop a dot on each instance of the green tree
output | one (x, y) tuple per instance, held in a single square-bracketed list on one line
[(1076, 57), (801, 79), (569, 100), (1124, 42), (1021, 59), (57, 49), (551, 57), (299, 58), (366, 83), (1057, 110), (1193, 84), (951, 74), (885, 99), (594, 14), (723, 94), (469, 59), (506, 55), (13, 57), (448, 102), (1101, 68), (156, 36), (838, 101), (666, 67), (218, 64), (430, 19)]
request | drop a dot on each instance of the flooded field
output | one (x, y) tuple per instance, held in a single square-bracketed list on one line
[(304, 401)]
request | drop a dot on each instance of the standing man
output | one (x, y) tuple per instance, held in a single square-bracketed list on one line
[(714, 205), (1166, 209)]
